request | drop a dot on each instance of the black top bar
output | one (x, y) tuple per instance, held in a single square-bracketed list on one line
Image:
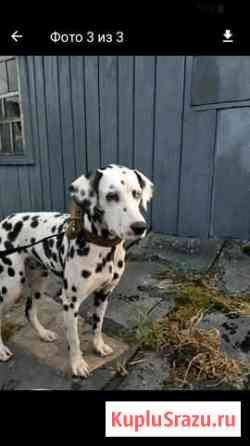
[(197, 27)]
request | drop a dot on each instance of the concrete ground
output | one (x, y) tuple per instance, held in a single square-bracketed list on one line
[(37, 365)]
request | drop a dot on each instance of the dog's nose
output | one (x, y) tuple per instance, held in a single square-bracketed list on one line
[(139, 227)]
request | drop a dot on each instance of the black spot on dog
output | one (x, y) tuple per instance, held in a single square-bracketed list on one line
[(15, 231), (65, 307), (53, 228), (93, 228), (98, 268), (32, 240), (34, 223), (124, 209), (36, 255), (72, 188), (1, 299), (46, 249), (74, 299), (7, 226), (4, 290), (45, 274), (6, 261), (11, 272), (72, 306), (28, 307), (83, 251), (120, 264), (1, 269), (73, 289), (96, 318), (54, 256), (23, 280), (86, 273), (8, 245), (140, 180), (76, 314), (37, 295), (110, 269), (65, 283), (21, 273), (115, 276)]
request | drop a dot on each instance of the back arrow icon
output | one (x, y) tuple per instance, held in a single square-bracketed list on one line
[(15, 36)]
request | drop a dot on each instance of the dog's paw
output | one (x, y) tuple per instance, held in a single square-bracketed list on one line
[(102, 348), (5, 353), (79, 367), (48, 336)]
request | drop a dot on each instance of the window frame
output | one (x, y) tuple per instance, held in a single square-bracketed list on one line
[(27, 157)]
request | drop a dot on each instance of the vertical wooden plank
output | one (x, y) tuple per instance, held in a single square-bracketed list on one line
[(36, 192), (79, 118), (9, 184), (144, 99), (167, 144), (24, 171), (231, 207), (54, 132), (125, 110), (67, 124), (92, 113), (42, 123), (108, 108), (144, 91), (196, 167)]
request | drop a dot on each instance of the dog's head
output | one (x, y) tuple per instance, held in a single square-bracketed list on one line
[(114, 197)]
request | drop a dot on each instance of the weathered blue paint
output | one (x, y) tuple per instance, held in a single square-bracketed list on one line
[(183, 121)]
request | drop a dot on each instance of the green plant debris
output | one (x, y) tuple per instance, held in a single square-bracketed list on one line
[(193, 352)]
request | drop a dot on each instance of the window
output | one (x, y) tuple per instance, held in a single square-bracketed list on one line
[(11, 128)]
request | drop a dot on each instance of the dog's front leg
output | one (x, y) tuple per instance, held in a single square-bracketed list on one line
[(100, 302), (78, 366)]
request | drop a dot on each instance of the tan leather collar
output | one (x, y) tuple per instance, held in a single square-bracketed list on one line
[(77, 230)]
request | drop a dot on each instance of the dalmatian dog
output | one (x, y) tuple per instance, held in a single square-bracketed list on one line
[(112, 201)]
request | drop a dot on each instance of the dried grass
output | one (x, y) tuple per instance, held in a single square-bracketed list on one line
[(193, 352)]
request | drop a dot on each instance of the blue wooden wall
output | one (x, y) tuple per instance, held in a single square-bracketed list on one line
[(165, 115)]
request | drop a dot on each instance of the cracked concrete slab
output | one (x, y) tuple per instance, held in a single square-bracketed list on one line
[(148, 374), (234, 333), (55, 355), (184, 253), (234, 267)]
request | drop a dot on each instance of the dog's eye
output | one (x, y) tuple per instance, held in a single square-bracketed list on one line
[(112, 196), (136, 194)]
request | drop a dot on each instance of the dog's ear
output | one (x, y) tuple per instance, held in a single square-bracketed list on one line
[(84, 190), (146, 187)]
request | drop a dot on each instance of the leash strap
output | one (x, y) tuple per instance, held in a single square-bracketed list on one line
[(20, 248), (87, 235)]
